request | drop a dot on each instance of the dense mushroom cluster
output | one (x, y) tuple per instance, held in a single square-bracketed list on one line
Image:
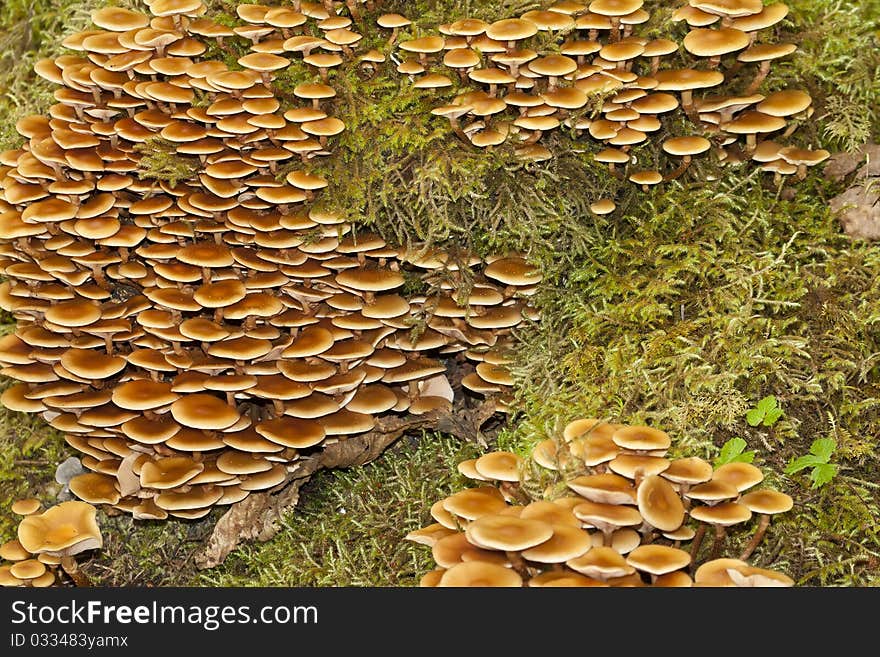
[(584, 68), (48, 542), (194, 339), (618, 513)]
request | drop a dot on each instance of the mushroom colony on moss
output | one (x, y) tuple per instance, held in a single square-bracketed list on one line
[(583, 68), (194, 338), (600, 506), (48, 543)]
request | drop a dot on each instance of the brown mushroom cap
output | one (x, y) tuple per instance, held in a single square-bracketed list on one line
[(741, 476), (659, 504), (767, 501), (641, 438), (500, 466), (64, 529), (25, 507), (167, 473), (705, 42), (566, 543), (479, 573), (204, 411), (473, 503), (95, 488), (724, 514), (689, 470), (605, 488), (658, 559), (508, 533), (601, 563)]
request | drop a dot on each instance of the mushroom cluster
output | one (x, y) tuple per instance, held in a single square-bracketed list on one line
[(584, 68), (618, 513), (194, 339), (47, 542)]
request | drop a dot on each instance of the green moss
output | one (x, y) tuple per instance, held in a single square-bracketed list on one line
[(348, 529), (160, 161)]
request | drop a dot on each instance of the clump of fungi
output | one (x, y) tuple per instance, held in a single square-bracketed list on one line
[(48, 544), (194, 340), (583, 68), (618, 513)]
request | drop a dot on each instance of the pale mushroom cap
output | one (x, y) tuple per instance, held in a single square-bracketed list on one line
[(732, 8), (599, 514), (659, 504), (479, 573), (658, 559), (508, 533)]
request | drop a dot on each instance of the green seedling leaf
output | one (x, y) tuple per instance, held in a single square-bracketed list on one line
[(822, 474), (818, 459), (732, 451), (754, 417), (823, 448), (767, 404), (771, 417)]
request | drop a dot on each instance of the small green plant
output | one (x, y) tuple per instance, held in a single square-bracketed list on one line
[(819, 459), (733, 452), (766, 412)]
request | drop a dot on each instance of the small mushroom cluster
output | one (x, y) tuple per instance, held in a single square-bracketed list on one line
[(47, 542), (583, 68), (619, 514), (194, 339)]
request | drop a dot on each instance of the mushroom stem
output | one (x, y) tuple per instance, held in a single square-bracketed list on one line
[(69, 566), (698, 539), (763, 523), (720, 535), (518, 563), (763, 71), (685, 163), (353, 9)]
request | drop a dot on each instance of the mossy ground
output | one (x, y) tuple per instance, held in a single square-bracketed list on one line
[(681, 309)]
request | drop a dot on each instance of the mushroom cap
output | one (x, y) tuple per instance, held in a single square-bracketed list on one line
[(508, 533), (601, 563), (707, 42), (686, 79), (566, 543), (95, 488), (473, 503), (429, 535), (741, 476), (615, 8), (688, 470), (659, 504), (606, 488), (606, 516), (171, 472), (204, 411), (689, 145), (27, 569), (712, 491), (25, 507), (550, 512), (479, 573), (13, 551), (724, 514), (64, 529), (763, 52), (499, 466), (513, 270), (658, 559), (143, 394), (641, 438), (753, 122), (731, 8), (767, 501), (511, 29)]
